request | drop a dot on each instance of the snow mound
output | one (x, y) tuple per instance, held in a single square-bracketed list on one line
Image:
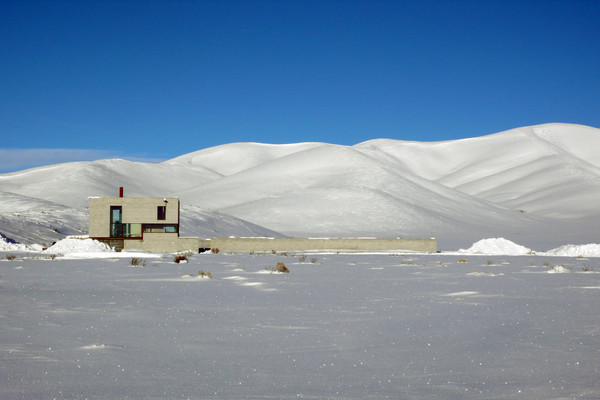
[(576, 250), (496, 246), (72, 245), (7, 244), (559, 269)]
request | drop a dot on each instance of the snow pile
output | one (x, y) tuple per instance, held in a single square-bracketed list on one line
[(576, 250), (73, 245), (496, 246), (559, 269), (8, 245)]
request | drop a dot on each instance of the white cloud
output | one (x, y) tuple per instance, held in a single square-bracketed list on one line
[(18, 159)]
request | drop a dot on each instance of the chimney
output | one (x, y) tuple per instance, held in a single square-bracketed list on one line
[(121, 191)]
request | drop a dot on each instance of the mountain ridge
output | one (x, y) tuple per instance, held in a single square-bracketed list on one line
[(534, 184)]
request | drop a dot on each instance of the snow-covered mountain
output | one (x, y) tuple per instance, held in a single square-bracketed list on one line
[(537, 185)]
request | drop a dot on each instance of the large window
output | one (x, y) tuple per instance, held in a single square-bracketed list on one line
[(161, 213), (161, 228), (132, 230), (120, 230), (116, 218)]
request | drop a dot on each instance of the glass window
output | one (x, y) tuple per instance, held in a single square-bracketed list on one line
[(161, 212), (116, 216), (160, 228), (132, 230)]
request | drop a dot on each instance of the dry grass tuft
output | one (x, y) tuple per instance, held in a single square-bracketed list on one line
[(180, 258), (203, 274), (280, 267), (138, 262)]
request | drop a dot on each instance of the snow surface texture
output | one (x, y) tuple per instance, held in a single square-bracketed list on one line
[(537, 185), (335, 327)]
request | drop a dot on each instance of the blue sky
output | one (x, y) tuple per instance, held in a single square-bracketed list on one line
[(152, 80)]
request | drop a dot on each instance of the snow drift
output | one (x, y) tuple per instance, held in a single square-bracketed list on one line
[(7, 244), (496, 246), (77, 245), (581, 250)]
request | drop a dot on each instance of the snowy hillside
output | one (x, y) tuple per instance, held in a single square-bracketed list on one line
[(538, 186), (29, 220)]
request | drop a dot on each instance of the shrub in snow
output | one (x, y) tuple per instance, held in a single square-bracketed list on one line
[(282, 268), (138, 262), (201, 274), (180, 259)]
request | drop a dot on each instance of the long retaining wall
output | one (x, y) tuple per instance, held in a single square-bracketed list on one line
[(333, 244), (164, 243)]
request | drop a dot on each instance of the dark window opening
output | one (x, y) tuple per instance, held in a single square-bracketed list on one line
[(161, 212)]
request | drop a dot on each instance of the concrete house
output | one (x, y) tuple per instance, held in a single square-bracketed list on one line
[(152, 224), (140, 223)]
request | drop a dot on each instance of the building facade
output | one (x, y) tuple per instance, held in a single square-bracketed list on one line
[(140, 223)]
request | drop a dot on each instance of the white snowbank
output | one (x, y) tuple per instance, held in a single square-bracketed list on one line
[(576, 250), (496, 246), (73, 245), (5, 245)]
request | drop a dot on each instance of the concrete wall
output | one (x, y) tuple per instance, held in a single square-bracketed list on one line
[(135, 210), (163, 243), (334, 244)]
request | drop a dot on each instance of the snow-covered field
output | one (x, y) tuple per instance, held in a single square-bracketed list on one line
[(338, 326)]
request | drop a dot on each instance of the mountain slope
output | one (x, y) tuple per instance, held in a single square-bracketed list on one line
[(339, 191), (29, 220), (545, 170), (534, 185), (72, 183)]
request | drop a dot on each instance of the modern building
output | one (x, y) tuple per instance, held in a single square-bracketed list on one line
[(140, 223), (152, 224)]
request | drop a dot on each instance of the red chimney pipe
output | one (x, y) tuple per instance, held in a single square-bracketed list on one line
[(121, 191)]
